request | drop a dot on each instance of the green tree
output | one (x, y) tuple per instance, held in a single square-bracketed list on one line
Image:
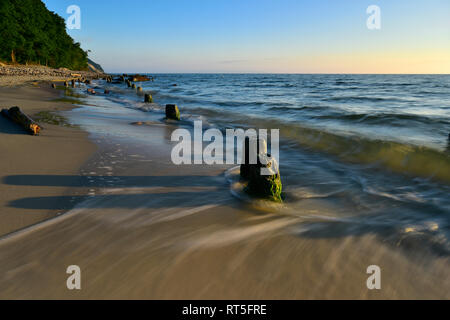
[(30, 33)]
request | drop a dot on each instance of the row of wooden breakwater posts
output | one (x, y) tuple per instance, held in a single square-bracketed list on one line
[(172, 110), (266, 186)]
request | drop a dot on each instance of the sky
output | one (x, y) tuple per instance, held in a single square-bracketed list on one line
[(263, 36)]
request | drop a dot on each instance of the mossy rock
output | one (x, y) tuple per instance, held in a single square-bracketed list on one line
[(172, 112), (268, 187)]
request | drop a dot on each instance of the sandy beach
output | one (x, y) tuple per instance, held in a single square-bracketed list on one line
[(58, 150), (143, 228)]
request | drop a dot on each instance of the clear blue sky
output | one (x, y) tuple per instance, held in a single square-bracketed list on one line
[(293, 36)]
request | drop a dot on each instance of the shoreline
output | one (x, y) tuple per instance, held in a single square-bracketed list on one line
[(59, 149)]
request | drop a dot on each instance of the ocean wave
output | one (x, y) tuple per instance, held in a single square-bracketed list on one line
[(292, 107), (410, 160), (202, 100), (398, 157), (363, 99), (382, 118)]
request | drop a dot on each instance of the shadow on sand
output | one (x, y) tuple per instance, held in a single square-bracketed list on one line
[(8, 127), (212, 189), (106, 181)]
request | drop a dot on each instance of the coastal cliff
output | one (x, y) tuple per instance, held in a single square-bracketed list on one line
[(95, 67)]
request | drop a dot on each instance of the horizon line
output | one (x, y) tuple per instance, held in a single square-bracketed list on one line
[(279, 73)]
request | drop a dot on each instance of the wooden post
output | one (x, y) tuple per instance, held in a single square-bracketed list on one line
[(172, 112), (148, 98)]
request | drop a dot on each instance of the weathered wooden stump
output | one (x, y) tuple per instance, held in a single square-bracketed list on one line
[(139, 89), (17, 116), (261, 171), (148, 98), (133, 86), (251, 148), (172, 112), (53, 86)]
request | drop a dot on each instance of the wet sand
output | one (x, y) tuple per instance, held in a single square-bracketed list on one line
[(58, 150), (152, 230)]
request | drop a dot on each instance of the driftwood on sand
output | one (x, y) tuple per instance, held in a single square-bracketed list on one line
[(16, 115)]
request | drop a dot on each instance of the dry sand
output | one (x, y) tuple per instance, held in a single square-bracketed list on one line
[(58, 150)]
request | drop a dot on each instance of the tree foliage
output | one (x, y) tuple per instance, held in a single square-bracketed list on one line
[(30, 33)]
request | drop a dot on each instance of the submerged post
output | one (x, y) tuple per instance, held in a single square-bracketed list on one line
[(252, 147), (148, 98)]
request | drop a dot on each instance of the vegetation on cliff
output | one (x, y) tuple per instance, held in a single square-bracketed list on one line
[(30, 33)]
